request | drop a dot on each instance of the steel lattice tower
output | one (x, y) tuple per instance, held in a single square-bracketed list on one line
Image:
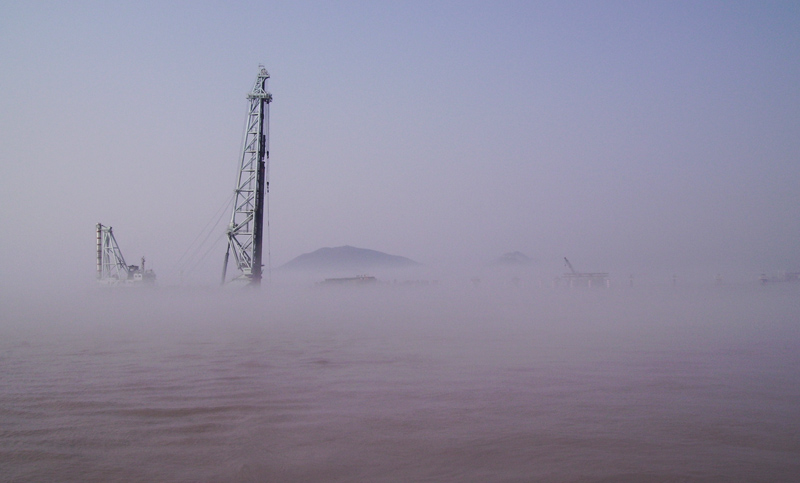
[(246, 230), (111, 264)]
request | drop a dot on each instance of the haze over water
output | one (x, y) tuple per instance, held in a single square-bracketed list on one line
[(655, 141), (391, 383)]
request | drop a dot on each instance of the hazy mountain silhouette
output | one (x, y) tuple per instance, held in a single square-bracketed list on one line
[(347, 258), (512, 259)]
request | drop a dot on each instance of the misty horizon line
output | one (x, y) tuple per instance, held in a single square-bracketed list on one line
[(519, 260)]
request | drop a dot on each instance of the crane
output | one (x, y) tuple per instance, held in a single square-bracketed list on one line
[(595, 279), (570, 266), (246, 229), (111, 266)]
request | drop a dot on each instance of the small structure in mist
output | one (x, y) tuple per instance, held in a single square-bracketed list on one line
[(574, 278), (111, 267), (781, 277)]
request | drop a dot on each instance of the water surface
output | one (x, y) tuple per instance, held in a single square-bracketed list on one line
[(403, 384)]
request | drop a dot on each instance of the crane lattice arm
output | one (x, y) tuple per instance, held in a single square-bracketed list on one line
[(110, 262), (246, 229)]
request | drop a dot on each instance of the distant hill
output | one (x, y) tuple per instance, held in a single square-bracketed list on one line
[(512, 259), (347, 258)]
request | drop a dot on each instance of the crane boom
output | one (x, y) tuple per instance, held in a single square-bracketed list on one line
[(111, 267), (110, 262), (570, 266), (246, 229)]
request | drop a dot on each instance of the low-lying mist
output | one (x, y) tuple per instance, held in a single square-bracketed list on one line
[(393, 382), (487, 322)]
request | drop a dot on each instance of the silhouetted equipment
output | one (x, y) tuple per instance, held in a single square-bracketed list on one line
[(781, 277), (578, 279), (246, 229), (111, 266)]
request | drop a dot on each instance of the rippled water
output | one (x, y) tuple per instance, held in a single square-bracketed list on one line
[(416, 384)]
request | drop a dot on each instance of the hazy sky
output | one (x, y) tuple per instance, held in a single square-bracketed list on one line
[(633, 137)]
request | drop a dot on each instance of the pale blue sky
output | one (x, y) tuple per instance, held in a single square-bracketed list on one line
[(633, 137)]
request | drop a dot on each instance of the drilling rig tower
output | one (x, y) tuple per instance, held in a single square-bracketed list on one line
[(246, 229), (111, 267)]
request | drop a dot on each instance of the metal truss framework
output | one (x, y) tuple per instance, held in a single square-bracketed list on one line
[(246, 229), (111, 266)]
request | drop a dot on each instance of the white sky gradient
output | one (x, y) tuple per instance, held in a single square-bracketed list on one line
[(653, 138)]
